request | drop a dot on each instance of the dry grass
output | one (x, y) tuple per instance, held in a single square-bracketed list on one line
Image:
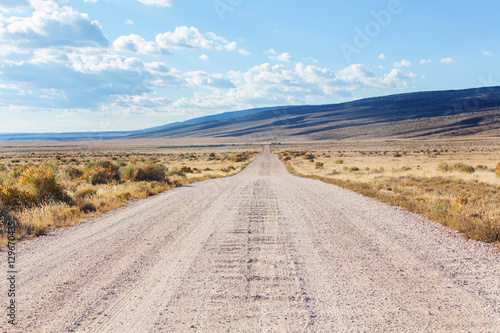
[(456, 187), (45, 190)]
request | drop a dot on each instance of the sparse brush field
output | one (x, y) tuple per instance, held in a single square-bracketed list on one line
[(47, 189), (455, 184)]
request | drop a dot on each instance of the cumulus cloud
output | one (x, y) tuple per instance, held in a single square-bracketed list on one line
[(181, 38), (128, 22), (49, 26), (403, 63), (447, 61), (381, 56), (136, 44), (284, 57), (277, 84), (425, 61), (204, 57), (192, 38)]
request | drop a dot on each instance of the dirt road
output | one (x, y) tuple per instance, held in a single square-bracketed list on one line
[(261, 251)]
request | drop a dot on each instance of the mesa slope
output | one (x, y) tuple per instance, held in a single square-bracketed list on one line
[(259, 251)]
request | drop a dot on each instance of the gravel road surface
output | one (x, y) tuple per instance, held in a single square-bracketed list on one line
[(262, 251)]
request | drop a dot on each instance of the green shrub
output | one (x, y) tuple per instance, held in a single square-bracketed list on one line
[(72, 173), (463, 168), (353, 169), (145, 172), (176, 172), (102, 172), (396, 155), (445, 167), (339, 162), (85, 193)]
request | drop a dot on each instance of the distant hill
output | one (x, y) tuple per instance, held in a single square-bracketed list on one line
[(437, 114), (79, 136), (443, 114)]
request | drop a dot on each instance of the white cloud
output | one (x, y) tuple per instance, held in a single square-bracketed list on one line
[(277, 84), (425, 61), (50, 25), (381, 56), (192, 38), (403, 63), (311, 59), (204, 57), (136, 44), (201, 78), (271, 51), (93, 1), (486, 53), (180, 38), (128, 22), (158, 3), (284, 57), (447, 61)]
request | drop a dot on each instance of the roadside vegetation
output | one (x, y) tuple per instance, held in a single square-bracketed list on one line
[(444, 185), (39, 191)]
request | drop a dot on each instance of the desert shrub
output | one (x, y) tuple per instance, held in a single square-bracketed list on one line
[(3, 167), (42, 184), (121, 164), (51, 166), (13, 197), (406, 168), (228, 169), (102, 172), (99, 175), (176, 172), (445, 167), (463, 168), (318, 165), (85, 193), (396, 155), (353, 169), (145, 172), (16, 172), (438, 209), (309, 157), (88, 207), (72, 173), (339, 162), (481, 167), (497, 172), (288, 158), (186, 169)]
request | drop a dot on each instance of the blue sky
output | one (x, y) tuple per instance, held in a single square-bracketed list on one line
[(98, 65)]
